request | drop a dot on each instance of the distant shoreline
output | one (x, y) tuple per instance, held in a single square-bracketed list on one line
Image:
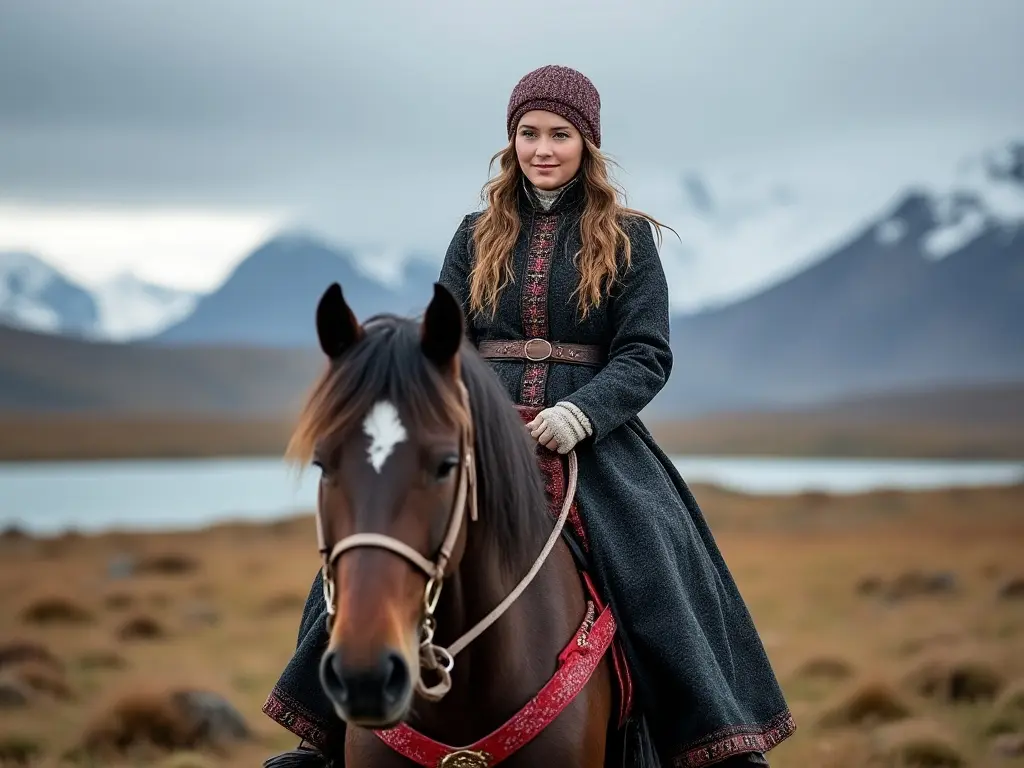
[(29, 437), (105, 437)]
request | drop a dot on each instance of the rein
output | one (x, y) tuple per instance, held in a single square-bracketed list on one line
[(436, 658)]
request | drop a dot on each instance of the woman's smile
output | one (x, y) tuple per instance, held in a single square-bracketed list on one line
[(549, 149)]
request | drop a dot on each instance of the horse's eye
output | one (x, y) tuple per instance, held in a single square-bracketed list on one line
[(445, 467)]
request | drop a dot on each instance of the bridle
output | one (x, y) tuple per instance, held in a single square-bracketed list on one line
[(435, 658)]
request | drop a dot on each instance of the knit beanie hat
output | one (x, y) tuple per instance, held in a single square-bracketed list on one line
[(563, 91)]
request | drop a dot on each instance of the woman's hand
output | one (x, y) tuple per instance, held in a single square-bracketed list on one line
[(560, 427), (542, 432)]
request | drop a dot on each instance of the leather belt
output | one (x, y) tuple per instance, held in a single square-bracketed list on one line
[(542, 350)]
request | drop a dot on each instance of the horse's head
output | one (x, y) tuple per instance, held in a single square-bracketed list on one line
[(389, 427)]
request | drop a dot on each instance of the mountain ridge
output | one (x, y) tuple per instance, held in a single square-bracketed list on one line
[(37, 296), (926, 293), (271, 296), (878, 313)]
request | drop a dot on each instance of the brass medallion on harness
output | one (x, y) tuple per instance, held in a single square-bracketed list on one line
[(465, 758)]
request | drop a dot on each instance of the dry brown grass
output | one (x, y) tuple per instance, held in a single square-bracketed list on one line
[(916, 744), (56, 610), (19, 652), (290, 603), (141, 628), (1008, 712), (139, 722), (866, 704), (19, 750), (956, 679), (1013, 589), (101, 660), (974, 422), (846, 656), (44, 679), (13, 692), (167, 564), (119, 601), (826, 435), (33, 437), (825, 668)]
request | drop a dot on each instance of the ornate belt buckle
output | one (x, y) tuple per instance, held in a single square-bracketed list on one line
[(465, 758), (526, 350)]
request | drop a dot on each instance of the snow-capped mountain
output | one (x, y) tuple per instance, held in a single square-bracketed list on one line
[(745, 228), (985, 194), (928, 294), (38, 297), (269, 299), (132, 308), (35, 296)]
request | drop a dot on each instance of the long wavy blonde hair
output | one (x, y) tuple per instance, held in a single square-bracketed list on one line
[(602, 233)]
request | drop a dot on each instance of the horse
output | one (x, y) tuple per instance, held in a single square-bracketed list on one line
[(431, 507)]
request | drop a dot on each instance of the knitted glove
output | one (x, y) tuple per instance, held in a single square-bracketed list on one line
[(560, 427)]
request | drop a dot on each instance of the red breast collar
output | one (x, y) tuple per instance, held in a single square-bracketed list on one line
[(577, 663)]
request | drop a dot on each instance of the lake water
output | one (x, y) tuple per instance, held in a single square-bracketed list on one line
[(90, 496)]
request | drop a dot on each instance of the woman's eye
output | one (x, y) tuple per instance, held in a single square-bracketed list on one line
[(445, 467)]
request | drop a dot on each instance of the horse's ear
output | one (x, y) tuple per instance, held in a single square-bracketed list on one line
[(441, 332), (336, 325)]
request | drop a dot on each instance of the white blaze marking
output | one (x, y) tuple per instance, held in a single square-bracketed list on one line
[(385, 431)]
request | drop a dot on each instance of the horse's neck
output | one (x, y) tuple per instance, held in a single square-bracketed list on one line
[(479, 584), (514, 657)]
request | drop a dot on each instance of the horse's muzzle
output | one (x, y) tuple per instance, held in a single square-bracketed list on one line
[(375, 696)]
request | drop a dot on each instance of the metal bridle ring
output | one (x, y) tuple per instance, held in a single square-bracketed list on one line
[(443, 655), (432, 595)]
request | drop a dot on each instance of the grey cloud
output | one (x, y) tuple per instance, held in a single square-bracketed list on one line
[(310, 105)]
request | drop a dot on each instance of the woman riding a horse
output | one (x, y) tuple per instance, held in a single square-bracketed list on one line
[(562, 291)]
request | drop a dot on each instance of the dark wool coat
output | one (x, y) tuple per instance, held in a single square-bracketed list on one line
[(700, 673), (702, 676)]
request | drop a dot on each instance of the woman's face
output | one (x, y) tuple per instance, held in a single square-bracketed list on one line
[(549, 149)]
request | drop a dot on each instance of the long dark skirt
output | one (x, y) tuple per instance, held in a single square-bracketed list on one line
[(702, 677)]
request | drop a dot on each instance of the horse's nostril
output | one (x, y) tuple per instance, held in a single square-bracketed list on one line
[(371, 693), (331, 677), (396, 677)]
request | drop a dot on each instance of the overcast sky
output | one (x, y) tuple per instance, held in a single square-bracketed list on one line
[(169, 137)]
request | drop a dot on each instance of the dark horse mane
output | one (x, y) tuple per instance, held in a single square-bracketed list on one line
[(388, 362)]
